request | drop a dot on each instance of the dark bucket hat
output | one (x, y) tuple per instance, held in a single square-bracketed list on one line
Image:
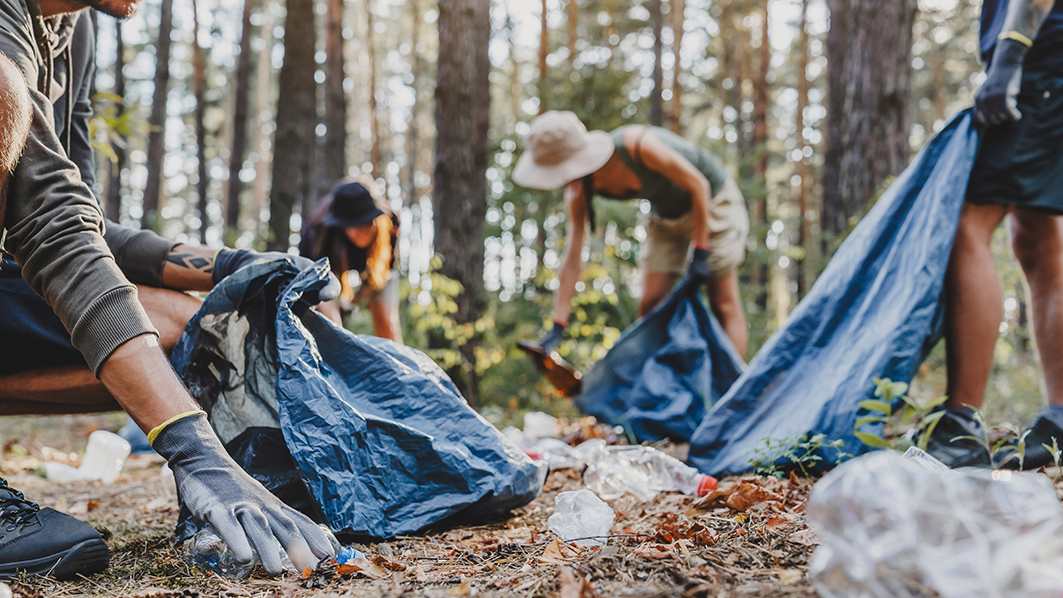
[(352, 205)]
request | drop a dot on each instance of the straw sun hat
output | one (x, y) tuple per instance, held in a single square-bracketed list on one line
[(560, 150)]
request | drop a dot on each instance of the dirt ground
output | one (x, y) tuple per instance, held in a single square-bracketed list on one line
[(750, 540)]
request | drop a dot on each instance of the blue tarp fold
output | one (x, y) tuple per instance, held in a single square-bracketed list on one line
[(876, 310), (664, 371), (374, 433)]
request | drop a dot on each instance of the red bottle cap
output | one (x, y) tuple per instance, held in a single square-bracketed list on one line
[(707, 485)]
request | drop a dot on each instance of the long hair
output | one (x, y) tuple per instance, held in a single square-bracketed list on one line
[(378, 258)]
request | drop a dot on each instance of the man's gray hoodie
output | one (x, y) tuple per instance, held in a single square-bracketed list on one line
[(54, 224)]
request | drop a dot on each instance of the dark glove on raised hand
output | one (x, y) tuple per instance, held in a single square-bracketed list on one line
[(997, 99), (245, 514), (699, 271), (553, 338), (230, 260)]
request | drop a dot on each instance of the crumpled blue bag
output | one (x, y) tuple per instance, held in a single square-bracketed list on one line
[(664, 371), (361, 433), (877, 310)]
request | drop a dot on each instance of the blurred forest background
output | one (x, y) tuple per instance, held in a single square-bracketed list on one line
[(225, 122)]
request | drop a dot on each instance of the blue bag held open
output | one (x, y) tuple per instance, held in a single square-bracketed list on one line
[(664, 371), (876, 310), (363, 434)]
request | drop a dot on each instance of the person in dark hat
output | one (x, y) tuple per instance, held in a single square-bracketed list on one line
[(358, 232)]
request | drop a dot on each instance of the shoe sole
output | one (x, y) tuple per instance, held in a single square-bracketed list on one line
[(86, 558)]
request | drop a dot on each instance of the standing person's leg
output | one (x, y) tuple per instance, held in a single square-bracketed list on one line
[(727, 307)]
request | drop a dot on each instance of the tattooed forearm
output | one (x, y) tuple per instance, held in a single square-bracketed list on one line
[(1027, 16), (191, 261)]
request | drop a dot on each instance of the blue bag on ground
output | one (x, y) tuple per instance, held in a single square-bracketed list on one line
[(664, 371), (876, 310), (361, 433)]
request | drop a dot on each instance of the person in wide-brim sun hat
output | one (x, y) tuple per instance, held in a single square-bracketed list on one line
[(693, 201)]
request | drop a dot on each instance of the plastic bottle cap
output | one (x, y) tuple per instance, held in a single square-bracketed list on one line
[(707, 485)]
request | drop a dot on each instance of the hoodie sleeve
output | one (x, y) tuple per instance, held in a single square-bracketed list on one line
[(55, 227)]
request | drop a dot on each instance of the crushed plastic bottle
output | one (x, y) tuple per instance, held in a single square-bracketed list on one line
[(207, 550), (892, 526), (5, 590), (539, 425), (641, 470), (581, 517), (105, 455)]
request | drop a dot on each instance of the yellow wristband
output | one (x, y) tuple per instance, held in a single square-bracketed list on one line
[(154, 433), (1015, 35)]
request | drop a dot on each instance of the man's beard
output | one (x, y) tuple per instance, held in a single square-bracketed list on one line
[(119, 9)]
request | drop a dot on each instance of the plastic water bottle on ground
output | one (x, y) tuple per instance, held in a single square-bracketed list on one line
[(581, 517), (641, 470), (209, 551), (104, 457)]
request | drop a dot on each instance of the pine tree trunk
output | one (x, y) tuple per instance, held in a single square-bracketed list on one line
[(413, 132), (804, 170), (240, 117), (678, 21), (544, 52), (263, 99), (199, 79), (294, 141), (462, 115), (761, 97), (113, 207), (869, 47), (656, 107), (335, 159), (157, 121), (374, 121), (573, 22)]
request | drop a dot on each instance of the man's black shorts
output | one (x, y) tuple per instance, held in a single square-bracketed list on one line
[(1021, 163), (31, 335)]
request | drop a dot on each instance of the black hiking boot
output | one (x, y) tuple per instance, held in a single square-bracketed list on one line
[(1042, 431), (961, 452), (45, 541)]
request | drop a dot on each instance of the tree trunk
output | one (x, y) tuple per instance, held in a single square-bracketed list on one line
[(413, 132), (544, 51), (113, 207), (263, 148), (199, 79), (374, 121), (240, 117), (462, 115), (656, 108), (573, 22), (335, 158), (157, 121), (804, 170), (761, 97), (294, 141), (869, 47), (678, 10)]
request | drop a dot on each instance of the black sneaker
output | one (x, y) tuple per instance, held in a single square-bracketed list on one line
[(961, 452), (44, 541), (1036, 455)]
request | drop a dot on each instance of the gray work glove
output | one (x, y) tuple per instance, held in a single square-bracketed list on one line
[(245, 514), (230, 260), (997, 99)]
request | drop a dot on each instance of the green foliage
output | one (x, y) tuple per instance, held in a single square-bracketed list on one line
[(888, 422), (803, 454), (111, 126)]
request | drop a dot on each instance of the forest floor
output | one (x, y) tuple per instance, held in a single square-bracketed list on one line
[(750, 540)]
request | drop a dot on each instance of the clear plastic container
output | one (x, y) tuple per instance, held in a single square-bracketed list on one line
[(207, 550), (641, 470), (105, 455), (581, 517)]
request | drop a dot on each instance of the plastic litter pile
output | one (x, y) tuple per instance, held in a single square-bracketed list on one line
[(581, 517), (893, 525)]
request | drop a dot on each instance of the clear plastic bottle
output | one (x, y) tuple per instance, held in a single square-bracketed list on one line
[(641, 470)]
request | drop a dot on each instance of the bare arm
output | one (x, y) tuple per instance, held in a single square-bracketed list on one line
[(140, 378), (572, 262), (658, 157), (385, 320), (1026, 16), (189, 268)]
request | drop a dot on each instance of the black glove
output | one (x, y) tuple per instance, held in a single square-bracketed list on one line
[(699, 272), (230, 260), (245, 514), (996, 101), (553, 338)]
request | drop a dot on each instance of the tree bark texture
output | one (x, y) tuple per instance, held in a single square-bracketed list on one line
[(460, 194), (113, 203), (374, 121), (656, 106), (335, 98), (678, 10), (544, 51), (804, 166), (199, 83), (240, 117), (761, 97), (573, 23), (294, 141), (157, 121), (869, 77)]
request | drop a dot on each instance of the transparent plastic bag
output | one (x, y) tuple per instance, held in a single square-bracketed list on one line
[(894, 526), (581, 517), (643, 471)]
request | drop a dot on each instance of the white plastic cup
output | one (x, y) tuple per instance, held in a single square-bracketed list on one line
[(104, 456)]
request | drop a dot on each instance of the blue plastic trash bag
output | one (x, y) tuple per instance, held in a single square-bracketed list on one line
[(664, 372), (365, 435), (876, 310)]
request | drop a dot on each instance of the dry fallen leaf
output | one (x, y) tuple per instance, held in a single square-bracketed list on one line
[(465, 589), (363, 566), (791, 576), (805, 537), (558, 552), (419, 574), (776, 524), (655, 551), (574, 586)]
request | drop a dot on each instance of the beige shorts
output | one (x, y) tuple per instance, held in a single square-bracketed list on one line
[(667, 246)]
